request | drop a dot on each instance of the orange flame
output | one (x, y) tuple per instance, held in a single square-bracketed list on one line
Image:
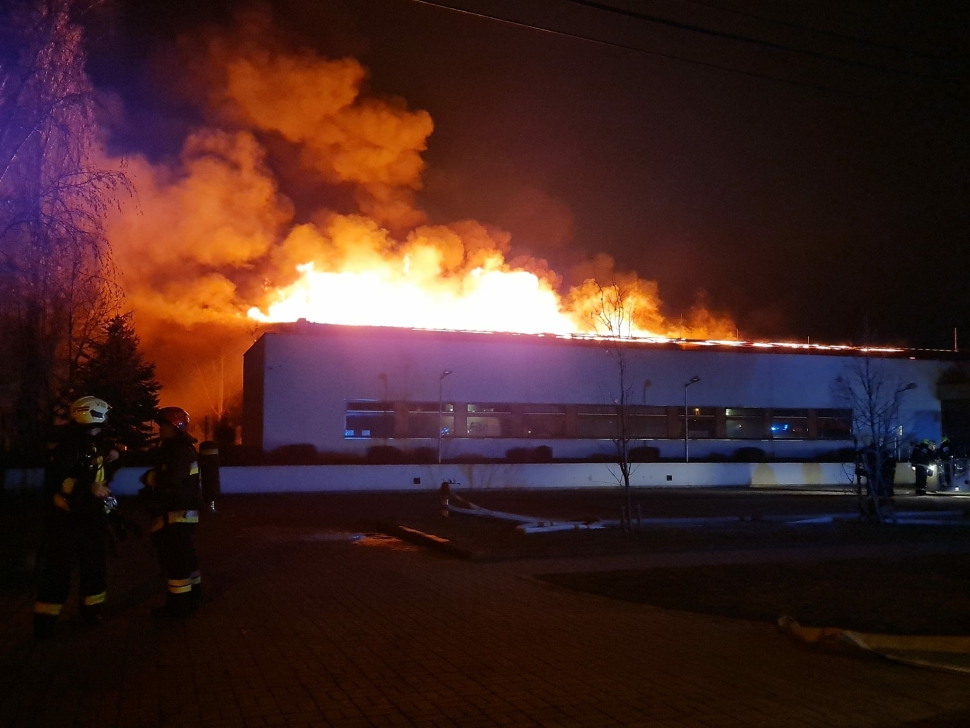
[(455, 277), (486, 299)]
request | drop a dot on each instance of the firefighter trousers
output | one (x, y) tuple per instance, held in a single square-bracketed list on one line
[(921, 474), (174, 544), (66, 543)]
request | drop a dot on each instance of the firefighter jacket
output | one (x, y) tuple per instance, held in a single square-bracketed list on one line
[(921, 455), (871, 459), (173, 485), (75, 469)]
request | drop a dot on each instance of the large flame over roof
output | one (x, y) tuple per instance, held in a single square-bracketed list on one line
[(455, 277), (215, 247)]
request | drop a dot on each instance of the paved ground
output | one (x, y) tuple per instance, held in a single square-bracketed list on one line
[(305, 625)]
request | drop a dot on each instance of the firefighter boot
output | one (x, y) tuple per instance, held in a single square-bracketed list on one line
[(44, 625), (195, 598), (92, 614), (176, 607)]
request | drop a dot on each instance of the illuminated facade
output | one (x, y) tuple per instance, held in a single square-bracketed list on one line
[(344, 390)]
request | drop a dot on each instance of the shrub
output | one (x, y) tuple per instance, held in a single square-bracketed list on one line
[(424, 455), (598, 458), (303, 453), (540, 454), (241, 455), (838, 455), (385, 454), (644, 454), (750, 455), (472, 458)]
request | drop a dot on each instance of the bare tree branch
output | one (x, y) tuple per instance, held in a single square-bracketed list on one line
[(55, 269)]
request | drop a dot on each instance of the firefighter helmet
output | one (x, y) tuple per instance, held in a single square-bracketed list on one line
[(89, 411), (174, 416)]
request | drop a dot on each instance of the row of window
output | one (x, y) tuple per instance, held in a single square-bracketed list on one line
[(369, 419)]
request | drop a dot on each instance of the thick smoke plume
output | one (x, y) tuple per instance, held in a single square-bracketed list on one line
[(212, 236)]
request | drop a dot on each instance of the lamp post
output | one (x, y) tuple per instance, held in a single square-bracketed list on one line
[(693, 380), (898, 429), (441, 379), (646, 383), (383, 377)]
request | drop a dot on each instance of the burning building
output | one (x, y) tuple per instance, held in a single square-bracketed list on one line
[(301, 195), (464, 395)]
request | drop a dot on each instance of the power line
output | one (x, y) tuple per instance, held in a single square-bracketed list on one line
[(646, 17), (658, 54), (830, 33)]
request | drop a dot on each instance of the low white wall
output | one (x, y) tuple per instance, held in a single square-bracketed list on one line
[(342, 478)]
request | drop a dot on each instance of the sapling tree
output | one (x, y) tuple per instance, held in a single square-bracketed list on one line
[(613, 318), (875, 397)]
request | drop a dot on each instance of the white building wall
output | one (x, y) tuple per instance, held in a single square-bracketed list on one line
[(308, 379), (403, 478)]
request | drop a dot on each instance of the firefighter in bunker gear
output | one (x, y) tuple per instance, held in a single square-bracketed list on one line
[(920, 458), (944, 463), (173, 498), (75, 486)]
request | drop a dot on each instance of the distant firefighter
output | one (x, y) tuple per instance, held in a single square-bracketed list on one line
[(877, 466), (920, 458), (944, 463)]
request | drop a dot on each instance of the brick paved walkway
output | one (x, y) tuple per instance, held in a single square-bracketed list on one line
[(305, 627)]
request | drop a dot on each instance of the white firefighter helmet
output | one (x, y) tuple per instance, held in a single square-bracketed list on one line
[(89, 411)]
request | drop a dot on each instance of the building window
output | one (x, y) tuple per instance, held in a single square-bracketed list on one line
[(646, 423), (489, 420), (544, 421), (424, 420), (789, 424), (374, 419), (834, 424), (702, 423), (369, 419), (744, 423), (596, 421)]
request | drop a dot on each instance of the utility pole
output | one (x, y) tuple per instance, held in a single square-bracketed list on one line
[(441, 379), (693, 380), (383, 377)]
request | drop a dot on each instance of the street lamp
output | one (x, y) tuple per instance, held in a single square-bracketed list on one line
[(646, 383), (383, 377), (693, 380), (898, 430), (441, 379)]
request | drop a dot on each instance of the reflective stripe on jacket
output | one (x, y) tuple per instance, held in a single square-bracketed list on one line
[(159, 522)]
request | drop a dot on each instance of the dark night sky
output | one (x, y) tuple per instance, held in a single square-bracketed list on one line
[(801, 211)]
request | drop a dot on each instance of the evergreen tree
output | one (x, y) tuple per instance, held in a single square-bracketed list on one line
[(118, 374)]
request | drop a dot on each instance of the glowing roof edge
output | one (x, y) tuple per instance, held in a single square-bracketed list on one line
[(782, 346)]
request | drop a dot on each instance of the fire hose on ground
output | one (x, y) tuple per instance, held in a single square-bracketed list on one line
[(527, 524), (938, 652), (451, 502)]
